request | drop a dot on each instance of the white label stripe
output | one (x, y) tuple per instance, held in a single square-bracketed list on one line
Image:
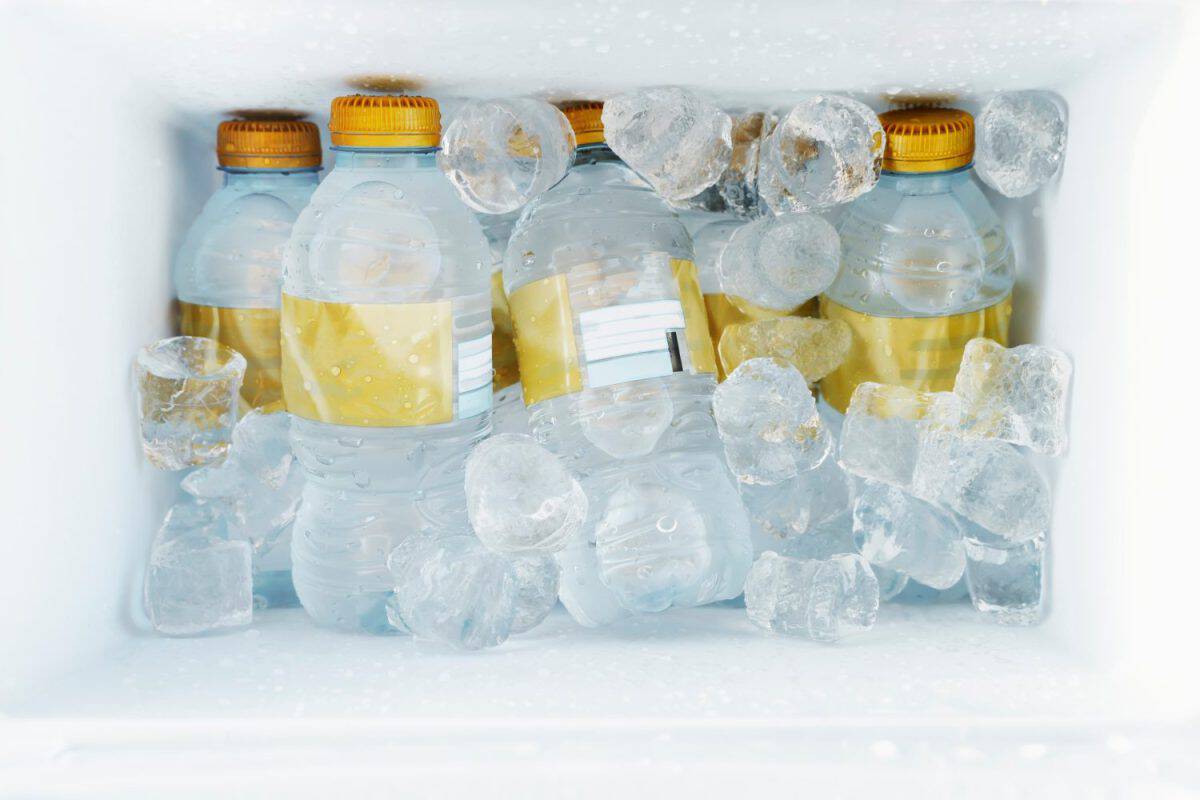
[(611, 314), (475, 346)]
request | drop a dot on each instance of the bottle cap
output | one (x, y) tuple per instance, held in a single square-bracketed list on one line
[(927, 139), (268, 144), (384, 121), (584, 116)]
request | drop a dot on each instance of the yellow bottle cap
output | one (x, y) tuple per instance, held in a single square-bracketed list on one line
[(927, 139), (268, 144), (384, 121), (584, 116)]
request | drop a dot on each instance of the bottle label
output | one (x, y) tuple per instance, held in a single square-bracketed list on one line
[(616, 342), (381, 365), (504, 351), (921, 353), (725, 310), (253, 332)]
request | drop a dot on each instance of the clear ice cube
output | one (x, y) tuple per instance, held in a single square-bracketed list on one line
[(891, 582), (262, 447), (520, 498), (679, 142), (582, 592), (780, 262), (768, 422), (883, 426), (736, 191), (197, 581), (187, 391), (500, 154), (454, 590), (825, 600), (989, 482), (1005, 579), (536, 580), (833, 537), (1019, 141), (1017, 395), (625, 420), (897, 531), (792, 508), (816, 347), (826, 151)]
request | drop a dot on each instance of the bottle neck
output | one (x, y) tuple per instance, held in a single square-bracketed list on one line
[(598, 153), (915, 183), (392, 158), (272, 177)]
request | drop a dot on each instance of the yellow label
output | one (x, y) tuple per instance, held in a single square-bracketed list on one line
[(504, 351), (544, 331), (921, 353), (725, 310), (700, 344), (543, 320), (253, 332), (369, 364)]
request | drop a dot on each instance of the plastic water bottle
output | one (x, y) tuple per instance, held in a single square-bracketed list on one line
[(508, 407), (618, 371), (387, 355), (926, 264), (228, 273)]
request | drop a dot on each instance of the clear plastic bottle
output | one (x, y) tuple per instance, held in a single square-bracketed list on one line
[(926, 264), (618, 372), (508, 407), (387, 355), (228, 273)]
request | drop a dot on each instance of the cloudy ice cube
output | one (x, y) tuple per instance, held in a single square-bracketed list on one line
[(824, 600), (520, 498), (1019, 141), (832, 537), (989, 482), (883, 427), (897, 531), (197, 581), (790, 509), (262, 447), (679, 142), (826, 151), (816, 347), (891, 582), (536, 581), (582, 592), (780, 262), (736, 191), (1005, 579), (1017, 395), (454, 590), (187, 393), (499, 154), (625, 420), (768, 422)]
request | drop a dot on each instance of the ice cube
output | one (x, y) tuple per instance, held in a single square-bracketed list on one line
[(520, 498), (583, 594), (454, 590), (816, 347), (1019, 141), (780, 262), (625, 420), (826, 151), (824, 600), (768, 422), (262, 447), (989, 482), (187, 391), (197, 581), (499, 154), (536, 582), (883, 426), (897, 531), (792, 508), (736, 191), (1005, 579), (1017, 395), (833, 537), (676, 140), (891, 583)]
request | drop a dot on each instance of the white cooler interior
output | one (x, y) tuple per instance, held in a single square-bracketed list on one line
[(108, 124)]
